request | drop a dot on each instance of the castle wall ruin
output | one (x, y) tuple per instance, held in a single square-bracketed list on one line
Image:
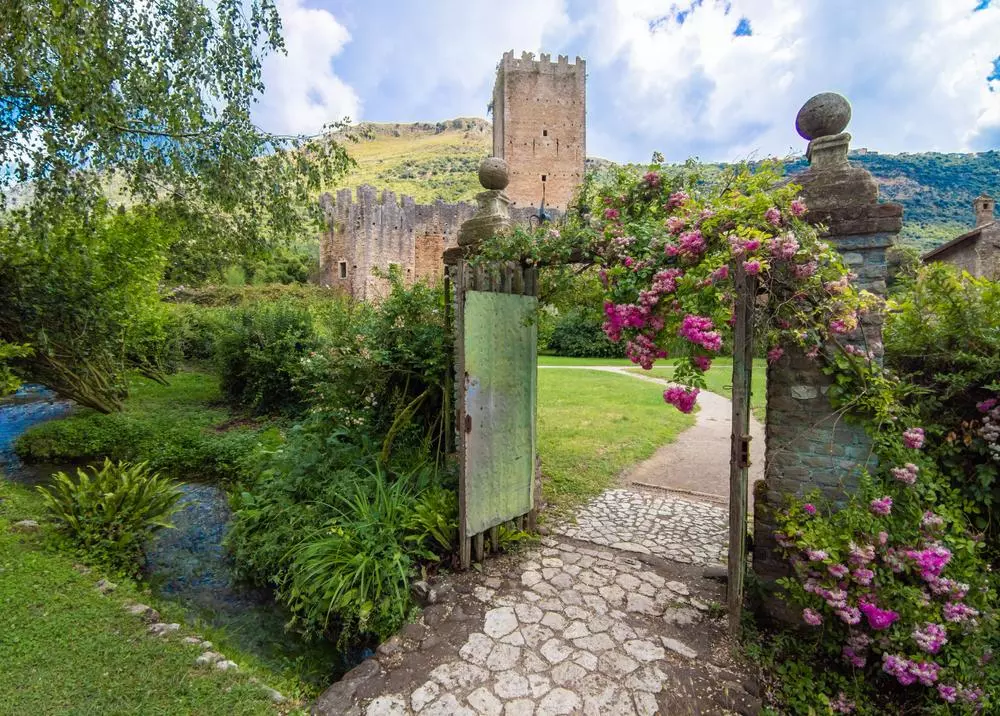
[(373, 234)]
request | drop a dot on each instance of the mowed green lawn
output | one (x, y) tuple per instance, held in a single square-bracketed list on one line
[(66, 649), (592, 425), (719, 379)]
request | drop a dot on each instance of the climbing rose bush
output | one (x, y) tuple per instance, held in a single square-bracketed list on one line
[(894, 587), (671, 247)]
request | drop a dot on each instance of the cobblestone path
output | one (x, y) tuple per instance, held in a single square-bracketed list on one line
[(570, 629), (611, 615), (684, 530)]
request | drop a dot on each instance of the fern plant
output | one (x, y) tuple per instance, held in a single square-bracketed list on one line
[(111, 512)]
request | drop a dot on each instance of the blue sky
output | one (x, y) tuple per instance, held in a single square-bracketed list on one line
[(717, 79)]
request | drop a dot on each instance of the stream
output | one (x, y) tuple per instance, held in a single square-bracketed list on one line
[(188, 565)]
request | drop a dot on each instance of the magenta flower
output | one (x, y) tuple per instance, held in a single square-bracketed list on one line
[(849, 615), (864, 576), (698, 330), (691, 244), (652, 179), (852, 657), (752, 267), (721, 273), (947, 693), (811, 617), (986, 405), (810, 508), (773, 216), (678, 198), (878, 619), (931, 637), (837, 571), (883, 538), (906, 474), (798, 207), (801, 271), (611, 214), (881, 506), (861, 556), (702, 362), (774, 355), (681, 398), (957, 612), (675, 224), (816, 555), (930, 561), (914, 438)]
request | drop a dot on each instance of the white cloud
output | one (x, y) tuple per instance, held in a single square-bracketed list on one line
[(915, 72), (303, 91), (439, 58)]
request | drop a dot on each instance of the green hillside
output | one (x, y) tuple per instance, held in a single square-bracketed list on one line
[(431, 161), (936, 190)]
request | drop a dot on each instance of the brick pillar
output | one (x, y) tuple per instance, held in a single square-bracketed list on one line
[(809, 446)]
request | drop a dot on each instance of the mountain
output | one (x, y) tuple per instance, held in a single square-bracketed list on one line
[(439, 160)]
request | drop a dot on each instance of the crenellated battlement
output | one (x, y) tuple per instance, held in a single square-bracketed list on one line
[(543, 64), (369, 232)]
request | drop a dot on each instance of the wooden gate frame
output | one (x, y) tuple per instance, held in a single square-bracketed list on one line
[(509, 278), (739, 458)]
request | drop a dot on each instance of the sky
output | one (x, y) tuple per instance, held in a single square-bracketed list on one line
[(720, 80)]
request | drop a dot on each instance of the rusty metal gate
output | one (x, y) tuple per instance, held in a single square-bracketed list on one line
[(496, 372)]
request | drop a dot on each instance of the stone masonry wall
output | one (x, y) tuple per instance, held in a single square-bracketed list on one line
[(376, 232), (373, 232), (809, 445), (539, 127)]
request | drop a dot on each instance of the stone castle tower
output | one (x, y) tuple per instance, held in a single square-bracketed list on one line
[(539, 127)]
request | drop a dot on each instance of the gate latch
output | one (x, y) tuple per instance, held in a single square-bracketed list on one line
[(745, 450)]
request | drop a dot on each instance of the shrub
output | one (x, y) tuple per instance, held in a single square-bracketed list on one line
[(900, 588), (172, 428), (324, 499), (384, 372), (110, 512), (943, 339), (356, 567), (259, 351), (578, 333), (193, 329)]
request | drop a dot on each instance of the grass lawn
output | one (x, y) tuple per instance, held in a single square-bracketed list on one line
[(592, 425), (720, 380), (182, 429), (564, 360), (66, 649)]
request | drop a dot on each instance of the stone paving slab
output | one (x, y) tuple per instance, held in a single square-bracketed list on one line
[(564, 629), (664, 525)]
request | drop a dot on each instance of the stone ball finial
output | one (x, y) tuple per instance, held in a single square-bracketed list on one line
[(824, 115), (493, 173)]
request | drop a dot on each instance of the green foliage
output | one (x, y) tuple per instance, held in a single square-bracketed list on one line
[(433, 522), (578, 333), (339, 533), (219, 296), (109, 87), (80, 290), (383, 368), (110, 512), (171, 427), (193, 330), (259, 351), (356, 567), (9, 382), (942, 337)]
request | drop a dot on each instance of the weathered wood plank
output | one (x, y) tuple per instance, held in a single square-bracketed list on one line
[(740, 442)]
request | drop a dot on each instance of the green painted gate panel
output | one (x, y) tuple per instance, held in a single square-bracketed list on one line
[(500, 344)]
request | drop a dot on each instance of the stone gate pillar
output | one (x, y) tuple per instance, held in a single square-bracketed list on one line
[(808, 445)]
